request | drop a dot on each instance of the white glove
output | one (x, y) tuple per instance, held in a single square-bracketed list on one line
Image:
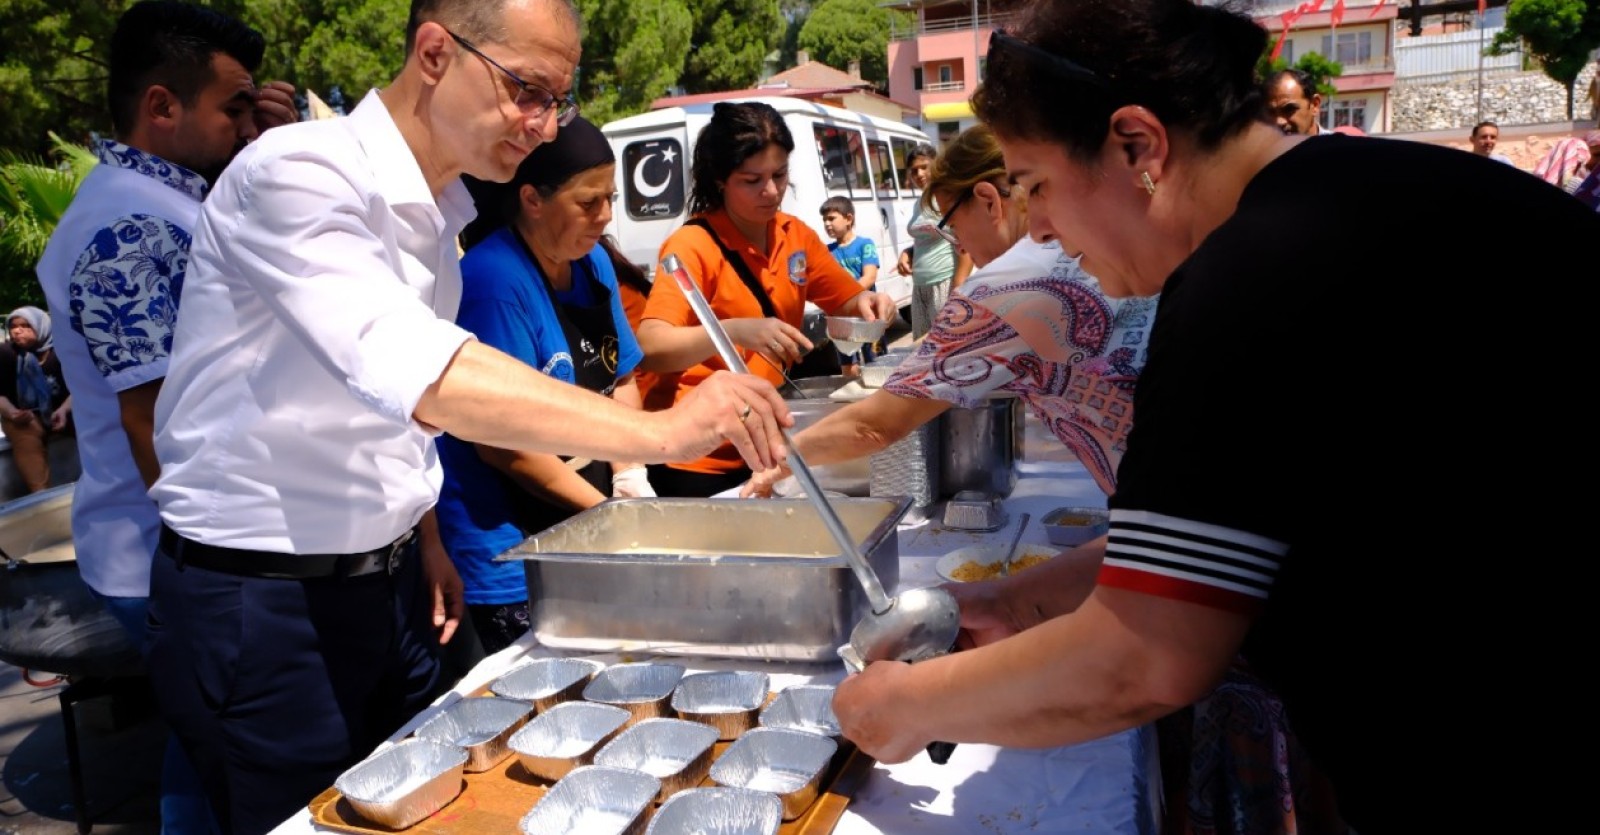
[(633, 483)]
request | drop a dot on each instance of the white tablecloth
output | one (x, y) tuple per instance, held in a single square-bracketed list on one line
[(1109, 785)]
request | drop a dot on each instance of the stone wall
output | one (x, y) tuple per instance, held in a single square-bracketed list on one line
[(1508, 99)]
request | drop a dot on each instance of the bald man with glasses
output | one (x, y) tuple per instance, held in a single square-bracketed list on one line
[(299, 592)]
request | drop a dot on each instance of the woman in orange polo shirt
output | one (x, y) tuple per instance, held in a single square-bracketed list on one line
[(756, 265)]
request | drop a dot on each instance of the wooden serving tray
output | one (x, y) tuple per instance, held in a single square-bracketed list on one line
[(496, 800)]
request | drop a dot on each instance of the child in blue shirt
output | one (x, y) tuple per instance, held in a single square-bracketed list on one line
[(856, 254)]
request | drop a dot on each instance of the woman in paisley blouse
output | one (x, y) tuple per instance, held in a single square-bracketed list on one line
[(1028, 322)]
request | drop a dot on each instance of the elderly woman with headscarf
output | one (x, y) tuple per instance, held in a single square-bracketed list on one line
[(34, 402), (538, 284)]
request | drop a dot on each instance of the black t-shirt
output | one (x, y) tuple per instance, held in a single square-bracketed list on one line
[(1356, 387)]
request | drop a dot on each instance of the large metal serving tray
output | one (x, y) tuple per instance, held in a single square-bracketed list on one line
[(752, 578)]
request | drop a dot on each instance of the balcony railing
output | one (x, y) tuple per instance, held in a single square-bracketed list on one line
[(900, 30), (944, 87)]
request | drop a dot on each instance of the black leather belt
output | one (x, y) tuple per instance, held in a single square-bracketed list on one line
[(271, 565)]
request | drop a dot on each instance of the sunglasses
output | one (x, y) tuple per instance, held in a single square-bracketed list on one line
[(943, 230), (533, 100)]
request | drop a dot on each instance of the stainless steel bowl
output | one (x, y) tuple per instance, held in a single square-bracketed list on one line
[(788, 764), (547, 682), (676, 752), (565, 737), (481, 726), (718, 811), (594, 800), (803, 707), (405, 783), (726, 701)]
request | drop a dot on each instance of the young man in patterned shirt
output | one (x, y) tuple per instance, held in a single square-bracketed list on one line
[(182, 103)]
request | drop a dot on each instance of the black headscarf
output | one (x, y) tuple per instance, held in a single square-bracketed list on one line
[(577, 148)]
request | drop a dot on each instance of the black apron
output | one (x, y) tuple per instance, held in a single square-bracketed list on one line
[(591, 335)]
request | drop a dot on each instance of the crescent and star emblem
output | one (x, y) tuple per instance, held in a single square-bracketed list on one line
[(644, 186)]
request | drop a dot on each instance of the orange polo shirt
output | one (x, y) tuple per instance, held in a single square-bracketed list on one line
[(796, 269)]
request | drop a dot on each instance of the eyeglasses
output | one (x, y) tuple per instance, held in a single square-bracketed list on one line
[(531, 99), (1000, 41), (944, 221)]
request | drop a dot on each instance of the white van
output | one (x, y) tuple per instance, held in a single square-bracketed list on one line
[(837, 153)]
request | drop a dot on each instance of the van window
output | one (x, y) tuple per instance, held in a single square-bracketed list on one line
[(883, 168), (902, 149), (844, 160), (652, 179)]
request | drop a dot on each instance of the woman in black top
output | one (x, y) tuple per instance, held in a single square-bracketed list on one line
[(34, 402)]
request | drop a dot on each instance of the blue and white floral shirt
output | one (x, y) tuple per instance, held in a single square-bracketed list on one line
[(125, 287), (113, 272)]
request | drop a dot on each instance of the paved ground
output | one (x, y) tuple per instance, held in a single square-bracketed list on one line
[(121, 743)]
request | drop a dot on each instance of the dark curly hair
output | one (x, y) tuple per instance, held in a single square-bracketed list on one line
[(1070, 63), (736, 132)]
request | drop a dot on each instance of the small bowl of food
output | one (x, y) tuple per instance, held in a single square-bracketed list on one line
[(1072, 526), (983, 562)]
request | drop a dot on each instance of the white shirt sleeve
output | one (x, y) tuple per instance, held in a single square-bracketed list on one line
[(301, 235)]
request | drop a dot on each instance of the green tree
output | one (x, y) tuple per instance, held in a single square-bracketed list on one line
[(840, 31), (53, 70), (33, 196), (632, 53), (320, 44), (730, 43), (1559, 34), (1313, 64)]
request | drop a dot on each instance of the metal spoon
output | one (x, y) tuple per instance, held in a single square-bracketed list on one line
[(919, 624), (1005, 562)]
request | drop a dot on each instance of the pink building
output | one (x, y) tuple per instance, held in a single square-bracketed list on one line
[(936, 62)]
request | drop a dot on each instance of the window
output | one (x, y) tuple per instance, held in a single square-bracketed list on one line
[(653, 179), (1353, 49), (1351, 112), (948, 132), (945, 74), (1288, 52), (983, 67), (844, 160), (902, 148), (916, 78), (882, 168)]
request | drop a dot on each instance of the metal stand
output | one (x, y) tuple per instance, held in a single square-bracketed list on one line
[(84, 690)]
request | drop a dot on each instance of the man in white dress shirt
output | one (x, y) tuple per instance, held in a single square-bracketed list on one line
[(292, 620)]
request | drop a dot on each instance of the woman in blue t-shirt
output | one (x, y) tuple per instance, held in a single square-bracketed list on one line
[(537, 284)]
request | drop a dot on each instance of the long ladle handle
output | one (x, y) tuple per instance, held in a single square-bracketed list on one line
[(876, 597)]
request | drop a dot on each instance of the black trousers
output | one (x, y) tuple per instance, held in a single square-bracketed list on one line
[(275, 687)]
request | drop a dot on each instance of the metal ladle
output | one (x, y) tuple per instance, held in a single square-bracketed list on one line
[(919, 624)]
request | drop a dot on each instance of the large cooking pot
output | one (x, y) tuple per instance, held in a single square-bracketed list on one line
[(49, 619)]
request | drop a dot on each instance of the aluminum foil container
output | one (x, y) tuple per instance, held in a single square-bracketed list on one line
[(641, 689), (718, 811), (974, 510), (547, 682), (803, 707), (565, 737), (676, 752), (481, 726), (786, 763), (726, 701), (594, 800), (403, 784)]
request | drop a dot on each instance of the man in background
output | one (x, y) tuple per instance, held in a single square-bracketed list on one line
[(1295, 104), (183, 101), (1485, 136)]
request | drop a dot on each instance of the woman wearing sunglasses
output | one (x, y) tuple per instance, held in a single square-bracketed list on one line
[(1028, 322)]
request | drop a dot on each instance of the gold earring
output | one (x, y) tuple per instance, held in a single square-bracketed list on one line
[(1149, 184)]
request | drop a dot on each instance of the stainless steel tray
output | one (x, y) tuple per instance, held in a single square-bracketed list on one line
[(706, 577)]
